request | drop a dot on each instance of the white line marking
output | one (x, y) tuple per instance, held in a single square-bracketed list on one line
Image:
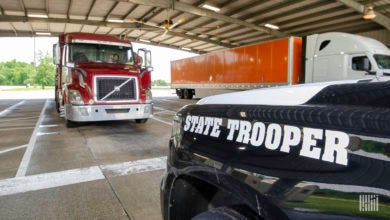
[(138, 166), (160, 120), (170, 100), (12, 149), (47, 133), (49, 126), (11, 108), (164, 113), (62, 178), (162, 109), (31, 144), (157, 119), (49, 180)]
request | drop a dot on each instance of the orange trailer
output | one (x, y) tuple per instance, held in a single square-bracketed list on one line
[(254, 66), (314, 58)]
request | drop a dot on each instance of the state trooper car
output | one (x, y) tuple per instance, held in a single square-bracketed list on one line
[(312, 151)]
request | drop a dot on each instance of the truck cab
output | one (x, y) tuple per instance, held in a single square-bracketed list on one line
[(100, 78), (341, 56)]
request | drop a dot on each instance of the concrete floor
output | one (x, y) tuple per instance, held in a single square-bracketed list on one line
[(106, 170)]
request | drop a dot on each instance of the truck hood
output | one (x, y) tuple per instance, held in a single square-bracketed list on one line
[(283, 95), (107, 68)]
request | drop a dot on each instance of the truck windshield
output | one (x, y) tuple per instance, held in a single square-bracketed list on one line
[(101, 53), (383, 61)]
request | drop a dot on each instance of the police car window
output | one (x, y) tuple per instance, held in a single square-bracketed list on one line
[(361, 63)]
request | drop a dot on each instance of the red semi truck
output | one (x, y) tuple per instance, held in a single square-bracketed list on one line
[(315, 58), (100, 78)]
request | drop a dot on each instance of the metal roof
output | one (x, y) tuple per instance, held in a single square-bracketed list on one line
[(186, 24)]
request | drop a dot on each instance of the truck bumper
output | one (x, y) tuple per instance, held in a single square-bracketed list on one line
[(108, 112)]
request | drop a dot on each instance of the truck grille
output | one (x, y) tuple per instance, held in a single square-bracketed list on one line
[(115, 88)]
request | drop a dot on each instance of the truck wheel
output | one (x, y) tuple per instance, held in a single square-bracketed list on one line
[(221, 213), (141, 121), (70, 124), (58, 107), (187, 94)]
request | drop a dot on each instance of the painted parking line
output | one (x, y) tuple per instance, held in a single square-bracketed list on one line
[(11, 108), (12, 149), (162, 121), (48, 180), (132, 167), (31, 144), (162, 111), (68, 177)]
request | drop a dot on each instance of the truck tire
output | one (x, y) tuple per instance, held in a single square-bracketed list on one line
[(58, 107), (141, 121), (187, 94), (179, 93), (70, 124), (221, 213)]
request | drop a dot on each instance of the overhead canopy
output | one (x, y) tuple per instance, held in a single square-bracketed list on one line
[(187, 24)]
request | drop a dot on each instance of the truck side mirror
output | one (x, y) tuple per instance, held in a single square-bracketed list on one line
[(146, 57), (56, 54), (369, 72), (149, 69)]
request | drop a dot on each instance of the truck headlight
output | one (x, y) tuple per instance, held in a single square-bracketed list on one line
[(75, 98), (149, 96)]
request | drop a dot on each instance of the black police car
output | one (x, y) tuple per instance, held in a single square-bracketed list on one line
[(314, 151)]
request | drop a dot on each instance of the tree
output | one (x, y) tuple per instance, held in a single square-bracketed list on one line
[(15, 73), (160, 82), (45, 71)]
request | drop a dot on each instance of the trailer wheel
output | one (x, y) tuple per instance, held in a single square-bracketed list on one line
[(187, 94), (141, 121), (180, 93)]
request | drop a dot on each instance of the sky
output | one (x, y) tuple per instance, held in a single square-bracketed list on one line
[(22, 49)]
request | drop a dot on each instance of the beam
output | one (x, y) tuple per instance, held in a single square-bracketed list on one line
[(110, 11), (68, 11), (380, 18), (129, 12), (9, 18), (204, 13), (48, 7), (90, 9)]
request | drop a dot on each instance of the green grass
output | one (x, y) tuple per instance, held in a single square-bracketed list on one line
[(339, 206)]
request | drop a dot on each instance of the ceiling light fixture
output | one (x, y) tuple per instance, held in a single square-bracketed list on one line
[(37, 16), (274, 27), (186, 48), (143, 40), (115, 20), (369, 13), (210, 7), (43, 33)]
